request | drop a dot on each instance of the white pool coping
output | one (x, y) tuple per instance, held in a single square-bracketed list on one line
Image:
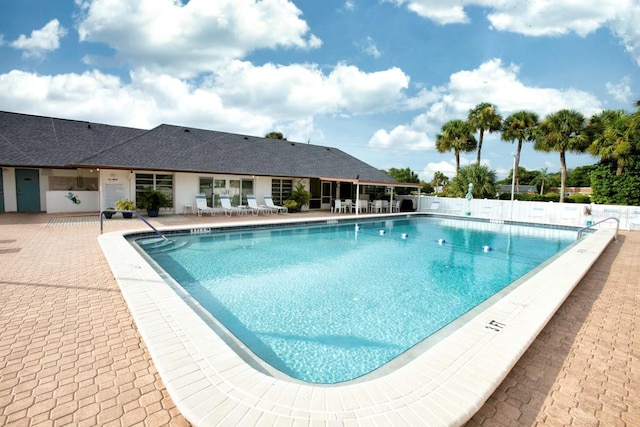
[(445, 385)]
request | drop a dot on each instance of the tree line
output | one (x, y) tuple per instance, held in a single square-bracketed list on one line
[(611, 135)]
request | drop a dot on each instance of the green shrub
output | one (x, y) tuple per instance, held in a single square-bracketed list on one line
[(579, 198)]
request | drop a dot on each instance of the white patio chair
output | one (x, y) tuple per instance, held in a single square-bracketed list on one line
[(376, 207), (570, 214), (634, 219), (228, 209), (201, 205), (348, 205), (268, 200), (254, 208)]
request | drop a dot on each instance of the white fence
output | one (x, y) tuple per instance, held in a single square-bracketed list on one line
[(572, 214)]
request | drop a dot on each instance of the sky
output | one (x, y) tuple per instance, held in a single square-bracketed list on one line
[(375, 78)]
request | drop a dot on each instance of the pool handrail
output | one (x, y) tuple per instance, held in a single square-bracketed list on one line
[(615, 218), (155, 230)]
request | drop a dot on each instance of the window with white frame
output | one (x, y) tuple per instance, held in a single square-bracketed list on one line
[(160, 182)]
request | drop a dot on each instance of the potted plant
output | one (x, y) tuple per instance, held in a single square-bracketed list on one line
[(125, 205), (108, 215), (152, 200), (300, 195), (291, 205)]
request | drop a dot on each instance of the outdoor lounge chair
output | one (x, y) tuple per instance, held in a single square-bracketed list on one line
[(268, 200), (228, 209), (201, 205), (254, 208)]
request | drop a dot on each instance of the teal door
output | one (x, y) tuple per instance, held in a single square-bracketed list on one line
[(1, 194), (28, 190)]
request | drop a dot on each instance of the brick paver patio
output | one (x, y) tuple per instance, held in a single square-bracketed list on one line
[(70, 353)]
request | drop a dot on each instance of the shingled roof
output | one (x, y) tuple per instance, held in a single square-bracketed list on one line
[(34, 141)]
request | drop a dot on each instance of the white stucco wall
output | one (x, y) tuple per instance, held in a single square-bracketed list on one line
[(186, 186), (9, 189), (72, 201)]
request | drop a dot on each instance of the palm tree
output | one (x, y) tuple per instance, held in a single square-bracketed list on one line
[(543, 177), (562, 131), (439, 179), (457, 135), (519, 126), (610, 135), (484, 117), (482, 178), (635, 119)]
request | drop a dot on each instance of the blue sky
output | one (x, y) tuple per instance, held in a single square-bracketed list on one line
[(377, 79)]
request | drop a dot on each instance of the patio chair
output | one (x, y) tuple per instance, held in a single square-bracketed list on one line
[(228, 209), (570, 214), (376, 206), (634, 219), (268, 200), (338, 206), (348, 205), (363, 206), (201, 205), (254, 208)]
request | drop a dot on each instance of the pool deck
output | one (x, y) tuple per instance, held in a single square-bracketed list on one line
[(70, 352)]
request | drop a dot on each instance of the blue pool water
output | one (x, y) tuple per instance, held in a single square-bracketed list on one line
[(331, 303)]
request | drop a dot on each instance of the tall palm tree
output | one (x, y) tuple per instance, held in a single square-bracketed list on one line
[(457, 135), (484, 117), (520, 126), (562, 131), (609, 133)]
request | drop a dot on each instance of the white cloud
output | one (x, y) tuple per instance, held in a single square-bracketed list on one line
[(491, 82), (440, 11), (447, 168), (199, 36), (621, 91), (401, 138), (241, 98), (41, 41), (147, 101), (542, 17), (371, 49), (300, 90), (350, 5)]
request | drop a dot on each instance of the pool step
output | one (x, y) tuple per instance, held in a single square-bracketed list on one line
[(154, 246)]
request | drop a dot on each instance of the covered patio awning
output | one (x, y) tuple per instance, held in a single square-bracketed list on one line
[(358, 182), (374, 183)]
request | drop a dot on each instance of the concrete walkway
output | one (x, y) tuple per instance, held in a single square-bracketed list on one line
[(70, 353)]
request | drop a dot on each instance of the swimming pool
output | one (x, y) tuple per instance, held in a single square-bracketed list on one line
[(333, 302), (443, 383)]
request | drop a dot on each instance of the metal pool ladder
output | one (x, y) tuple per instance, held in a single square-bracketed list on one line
[(155, 230), (615, 218)]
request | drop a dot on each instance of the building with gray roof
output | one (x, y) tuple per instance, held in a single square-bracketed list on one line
[(59, 165)]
